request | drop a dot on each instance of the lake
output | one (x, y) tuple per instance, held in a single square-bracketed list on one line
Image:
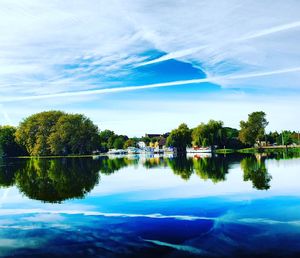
[(151, 206)]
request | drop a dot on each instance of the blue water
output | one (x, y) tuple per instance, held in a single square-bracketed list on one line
[(151, 207)]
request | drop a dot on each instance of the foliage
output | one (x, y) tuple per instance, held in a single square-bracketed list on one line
[(253, 130), (73, 134), (8, 145), (104, 137), (287, 138), (129, 143), (180, 138), (209, 134), (57, 133), (110, 140), (230, 138)]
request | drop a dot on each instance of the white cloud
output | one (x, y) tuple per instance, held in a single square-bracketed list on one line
[(53, 47), (55, 52)]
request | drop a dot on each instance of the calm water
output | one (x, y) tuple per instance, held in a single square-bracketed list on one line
[(233, 206)]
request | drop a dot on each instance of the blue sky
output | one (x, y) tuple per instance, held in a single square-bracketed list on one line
[(136, 67)]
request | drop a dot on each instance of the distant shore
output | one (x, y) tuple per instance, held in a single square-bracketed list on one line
[(266, 149)]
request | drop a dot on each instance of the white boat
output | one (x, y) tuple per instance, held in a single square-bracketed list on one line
[(115, 152), (133, 150), (199, 155), (199, 150)]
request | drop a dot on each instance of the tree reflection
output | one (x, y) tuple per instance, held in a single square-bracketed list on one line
[(255, 170), (181, 166), (7, 173), (110, 165), (214, 168), (154, 162), (55, 180)]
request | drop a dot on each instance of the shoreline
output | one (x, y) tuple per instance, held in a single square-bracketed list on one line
[(217, 151)]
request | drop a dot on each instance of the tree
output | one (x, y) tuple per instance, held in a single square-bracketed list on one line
[(73, 134), (230, 138), (8, 145), (274, 137), (57, 133), (104, 137), (129, 143), (34, 131), (118, 143), (253, 130), (209, 134), (287, 138), (180, 138)]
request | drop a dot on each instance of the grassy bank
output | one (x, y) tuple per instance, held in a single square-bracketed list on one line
[(259, 150), (270, 150), (225, 151)]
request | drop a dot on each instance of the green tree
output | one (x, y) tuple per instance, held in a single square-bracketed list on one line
[(34, 131), (104, 137), (253, 130), (180, 138), (287, 138), (73, 134), (119, 143), (230, 138), (56, 133), (8, 145), (129, 143), (209, 134), (273, 137)]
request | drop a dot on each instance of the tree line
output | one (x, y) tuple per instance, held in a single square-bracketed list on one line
[(213, 134), (59, 133)]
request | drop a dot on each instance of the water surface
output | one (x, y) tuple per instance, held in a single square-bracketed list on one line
[(138, 206)]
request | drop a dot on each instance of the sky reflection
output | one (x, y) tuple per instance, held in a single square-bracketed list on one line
[(156, 208)]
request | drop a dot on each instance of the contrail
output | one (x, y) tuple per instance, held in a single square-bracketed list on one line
[(269, 31), (103, 91), (173, 55), (189, 51), (261, 74), (150, 86)]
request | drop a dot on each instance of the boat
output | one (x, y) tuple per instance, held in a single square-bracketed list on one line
[(199, 150), (133, 150), (115, 152)]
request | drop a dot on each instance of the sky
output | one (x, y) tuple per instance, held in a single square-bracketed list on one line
[(141, 66)]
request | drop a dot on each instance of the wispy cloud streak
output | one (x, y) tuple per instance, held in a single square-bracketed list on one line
[(190, 51), (151, 86)]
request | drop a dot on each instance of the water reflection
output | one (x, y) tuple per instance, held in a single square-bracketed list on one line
[(56, 180), (255, 170), (51, 180)]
